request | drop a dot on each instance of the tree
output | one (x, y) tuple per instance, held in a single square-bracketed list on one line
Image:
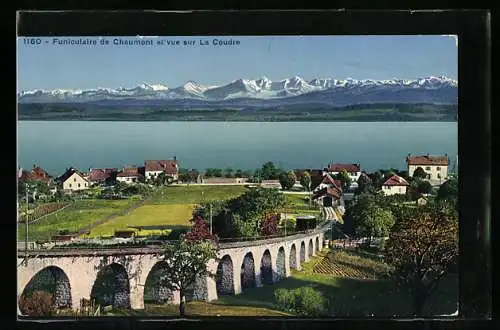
[(287, 180), (422, 247), (424, 187), (269, 226), (377, 179), (183, 262), (305, 180), (209, 172), (448, 192), (160, 180), (238, 173), (420, 173), (217, 172), (269, 171), (369, 217), (228, 172), (200, 231), (343, 176), (246, 174)]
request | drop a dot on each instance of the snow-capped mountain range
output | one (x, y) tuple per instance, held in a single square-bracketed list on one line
[(261, 89)]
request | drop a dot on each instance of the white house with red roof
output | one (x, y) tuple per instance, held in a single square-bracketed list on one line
[(328, 182), (152, 168), (395, 185), (73, 180), (435, 166), (101, 175), (129, 175), (354, 171)]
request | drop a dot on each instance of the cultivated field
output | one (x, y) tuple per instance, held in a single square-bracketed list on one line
[(195, 194), (79, 215), (351, 265), (172, 215)]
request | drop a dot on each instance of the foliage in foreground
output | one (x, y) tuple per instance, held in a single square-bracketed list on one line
[(423, 247), (304, 300), (184, 262), (40, 303)]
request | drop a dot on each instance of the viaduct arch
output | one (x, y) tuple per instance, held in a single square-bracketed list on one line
[(131, 275)]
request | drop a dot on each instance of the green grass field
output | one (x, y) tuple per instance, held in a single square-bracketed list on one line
[(196, 194), (174, 215), (80, 215), (352, 297)]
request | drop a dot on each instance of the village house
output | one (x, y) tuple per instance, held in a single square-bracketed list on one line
[(394, 185), (328, 182), (130, 174), (299, 173), (154, 167), (99, 176), (354, 171), (328, 196), (435, 166), (73, 180), (36, 174)]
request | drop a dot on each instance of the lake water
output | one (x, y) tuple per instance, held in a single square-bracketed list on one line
[(246, 145)]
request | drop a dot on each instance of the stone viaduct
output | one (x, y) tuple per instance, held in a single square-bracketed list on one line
[(128, 275)]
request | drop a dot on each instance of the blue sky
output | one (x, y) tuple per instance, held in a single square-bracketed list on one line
[(49, 66)]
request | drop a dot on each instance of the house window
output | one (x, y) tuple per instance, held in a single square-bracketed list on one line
[(78, 185), (70, 185), (439, 176), (74, 179), (428, 168), (438, 168), (85, 184)]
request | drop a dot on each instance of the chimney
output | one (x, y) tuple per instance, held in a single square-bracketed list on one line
[(34, 165), (175, 158)]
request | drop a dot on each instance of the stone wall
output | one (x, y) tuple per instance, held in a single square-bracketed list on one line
[(52, 280), (248, 272), (293, 257), (302, 252), (280, 264), (111, 287), (266, 270), (224, 277)]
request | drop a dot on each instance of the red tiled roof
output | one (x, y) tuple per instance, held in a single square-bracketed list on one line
[(427, 160), (168, 166), (129, 172), (39, 174), (36, 174), (327, 179), (101, 174), (396, 180), (25, 176), (347, 167), (334, 192)]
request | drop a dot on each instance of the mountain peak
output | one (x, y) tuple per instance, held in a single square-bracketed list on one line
[(261, 88)]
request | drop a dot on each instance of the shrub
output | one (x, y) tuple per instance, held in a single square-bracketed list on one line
[(309, 301), (304, 300), (285, 298), (38, 304)]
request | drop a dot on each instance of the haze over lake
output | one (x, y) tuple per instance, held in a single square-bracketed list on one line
[(56, 145)]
